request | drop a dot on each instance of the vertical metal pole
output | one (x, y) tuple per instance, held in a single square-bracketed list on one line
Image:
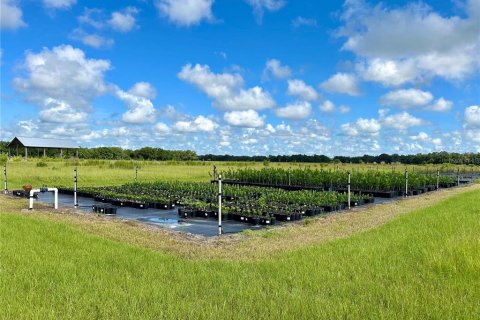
[(458, 177), (5, 188), (289, 176), (438, 178), (75, 200), (220, 205), (136, 174), (348, 188), (406, 183)]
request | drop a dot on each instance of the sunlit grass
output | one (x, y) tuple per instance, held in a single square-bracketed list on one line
[(421, 265), (58, 172)]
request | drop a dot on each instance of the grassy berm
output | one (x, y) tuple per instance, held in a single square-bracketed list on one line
[(421, 265)]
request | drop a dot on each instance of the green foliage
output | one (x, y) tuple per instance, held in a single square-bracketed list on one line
[(42, 164)]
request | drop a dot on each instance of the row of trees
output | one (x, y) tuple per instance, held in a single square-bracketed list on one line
[(433, 158), (148, 153)]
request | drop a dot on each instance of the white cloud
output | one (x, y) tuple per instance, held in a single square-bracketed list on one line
[(362, 127), (259, 7), (440, 105), (275, 67), (92, 17), (59, 4), (226, 89), (304, 22), (62, 81), (342, 83), (124, 20), (327, 106), (60, 111), (402, 121), (186, 12), (406, 98), (141, 109), (143, 89), (10, 15), (161, 128), (92, 40), (295, 111), (472, 117), (199, 124), (387, 72), (248, 118), (300, 89), (426, 44), (344, 109)]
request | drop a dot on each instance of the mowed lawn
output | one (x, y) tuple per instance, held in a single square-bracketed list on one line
[(422, 265)]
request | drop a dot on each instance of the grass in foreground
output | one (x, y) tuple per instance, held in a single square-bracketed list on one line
[(425, 264)]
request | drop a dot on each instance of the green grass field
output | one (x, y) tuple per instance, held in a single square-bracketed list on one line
[(59, 172), (422, 265)]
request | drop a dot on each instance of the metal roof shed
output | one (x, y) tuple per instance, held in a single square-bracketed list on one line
[(40, 143)]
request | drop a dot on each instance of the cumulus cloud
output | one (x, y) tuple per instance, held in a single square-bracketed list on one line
[(300, 89), (406, 98), (62, 81), (402, 121), (342, 83), (91, 39), (426, 44), (387, 72), (440, 105), (248, 118), (11, 15), (141, 109), (295, 111), (161, 128), (226, 89), (143, 89), (472, 117), (199, 124), (186, 12), (275, 68), (260, 6), (303, 22), (59, 4), (327, 106), (124, 20), (362, 127)]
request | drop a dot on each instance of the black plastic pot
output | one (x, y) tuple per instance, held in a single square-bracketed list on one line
[(103, 209), (267, 221)]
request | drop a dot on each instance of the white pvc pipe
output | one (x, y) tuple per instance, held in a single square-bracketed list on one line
[(33, 191), (220, 205)]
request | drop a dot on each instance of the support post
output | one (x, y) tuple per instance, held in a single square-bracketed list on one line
[(406, 183), (5, 188), (75, 200), (219, 205), (348, 190), (44, 153), (438, 178), (136, 173), (61, 153), (289, 176), (458, 177), (26, 153)]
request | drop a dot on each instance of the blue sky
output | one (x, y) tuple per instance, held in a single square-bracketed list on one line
[(244, 76)]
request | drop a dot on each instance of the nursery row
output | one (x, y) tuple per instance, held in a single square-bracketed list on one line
[(365, 181), (256, 205)]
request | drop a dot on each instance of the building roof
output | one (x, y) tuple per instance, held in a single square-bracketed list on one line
[(45, 143)]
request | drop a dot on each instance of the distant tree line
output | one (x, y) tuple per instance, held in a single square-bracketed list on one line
[(149, 153), (420, 158)]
